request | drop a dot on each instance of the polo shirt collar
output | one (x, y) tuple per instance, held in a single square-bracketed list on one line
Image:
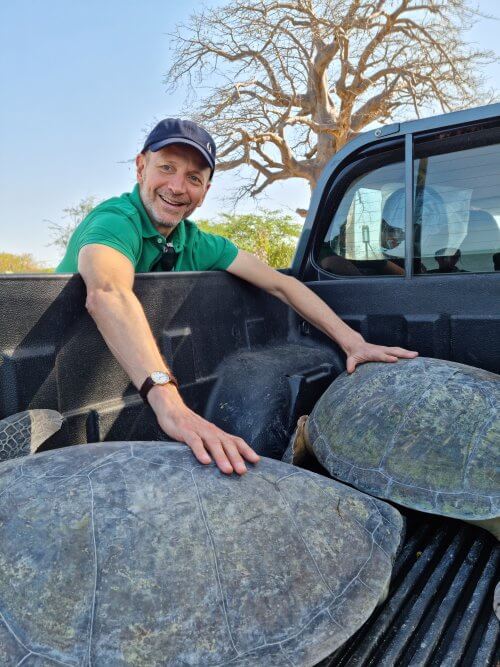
[(177, 238)]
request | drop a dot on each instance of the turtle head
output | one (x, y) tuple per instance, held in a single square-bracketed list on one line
[(300, 448)]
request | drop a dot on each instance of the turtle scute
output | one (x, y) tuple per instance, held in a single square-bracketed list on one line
[(136, 554), (423, 433)]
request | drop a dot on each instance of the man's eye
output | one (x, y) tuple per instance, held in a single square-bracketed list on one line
[(166, 167), (195, 179)]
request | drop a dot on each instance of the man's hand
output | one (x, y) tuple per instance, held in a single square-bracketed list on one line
[(206, 440), (360, 351)]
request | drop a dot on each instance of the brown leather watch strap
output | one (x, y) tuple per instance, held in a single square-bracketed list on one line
[(149, 383)]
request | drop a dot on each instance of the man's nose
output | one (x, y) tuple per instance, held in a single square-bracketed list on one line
[(177, 183)]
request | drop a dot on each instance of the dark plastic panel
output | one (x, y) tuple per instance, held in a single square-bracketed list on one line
[(456, 319), (259, 395)]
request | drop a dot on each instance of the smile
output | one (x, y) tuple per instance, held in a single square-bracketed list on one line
[(171, 203)]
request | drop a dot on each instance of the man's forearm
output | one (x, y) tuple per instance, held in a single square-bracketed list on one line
[(120, 318)]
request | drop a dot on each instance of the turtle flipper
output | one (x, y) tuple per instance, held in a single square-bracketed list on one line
[(23, 433)]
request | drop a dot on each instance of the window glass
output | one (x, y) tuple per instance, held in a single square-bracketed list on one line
[(366, 236), (457, 211)]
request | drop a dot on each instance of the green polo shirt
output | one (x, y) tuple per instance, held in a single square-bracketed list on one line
[(123, 224)]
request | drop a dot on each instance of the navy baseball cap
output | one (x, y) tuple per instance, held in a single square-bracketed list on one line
[(177, 131)]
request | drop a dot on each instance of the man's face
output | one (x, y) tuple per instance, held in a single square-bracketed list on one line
[(172, 182)]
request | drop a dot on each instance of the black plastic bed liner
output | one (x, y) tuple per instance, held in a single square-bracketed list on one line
[(439, 611)]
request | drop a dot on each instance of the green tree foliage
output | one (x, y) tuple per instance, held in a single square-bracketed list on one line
[(270, 235), (61, 232), (25, 263)]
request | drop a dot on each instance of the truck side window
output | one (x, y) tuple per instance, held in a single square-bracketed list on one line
[(366, 235), (457, 211)]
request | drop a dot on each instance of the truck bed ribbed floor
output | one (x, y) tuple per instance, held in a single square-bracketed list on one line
[(439, 611)]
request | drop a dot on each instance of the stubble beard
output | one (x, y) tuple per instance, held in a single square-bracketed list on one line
[(164, 227)]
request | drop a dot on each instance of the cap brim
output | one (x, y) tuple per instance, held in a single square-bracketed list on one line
[(181, 140)]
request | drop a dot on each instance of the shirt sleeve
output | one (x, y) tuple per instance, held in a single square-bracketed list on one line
[(214, 252), (112, 230)]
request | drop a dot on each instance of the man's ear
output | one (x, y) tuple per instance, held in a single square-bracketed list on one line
[(140, 163)]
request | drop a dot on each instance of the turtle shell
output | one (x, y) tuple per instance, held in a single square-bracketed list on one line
[(136, 554), (23, 433), (424, 433)]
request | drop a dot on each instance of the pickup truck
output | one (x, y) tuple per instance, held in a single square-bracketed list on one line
[(402, 240)]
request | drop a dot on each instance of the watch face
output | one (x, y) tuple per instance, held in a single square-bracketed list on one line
[(159, 377)]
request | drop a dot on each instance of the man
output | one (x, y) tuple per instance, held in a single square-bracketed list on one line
[(149, 229)]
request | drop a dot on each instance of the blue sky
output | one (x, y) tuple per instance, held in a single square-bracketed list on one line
[(82, 80)]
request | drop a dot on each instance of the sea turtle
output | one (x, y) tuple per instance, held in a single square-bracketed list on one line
[(423, 433), (133, 553), (23, 433)]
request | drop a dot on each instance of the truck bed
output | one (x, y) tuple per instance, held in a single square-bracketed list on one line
[(246, 361)]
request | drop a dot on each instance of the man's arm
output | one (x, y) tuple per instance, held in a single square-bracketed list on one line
[(119, 316), (309, 306)]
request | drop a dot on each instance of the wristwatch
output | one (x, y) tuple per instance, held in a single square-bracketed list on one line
[(157, 378)]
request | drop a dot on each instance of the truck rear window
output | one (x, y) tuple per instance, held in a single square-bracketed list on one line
[(359, 242), (456, 217), (457, 211)]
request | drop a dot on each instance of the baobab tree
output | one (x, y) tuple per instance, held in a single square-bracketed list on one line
[(287, 84)]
